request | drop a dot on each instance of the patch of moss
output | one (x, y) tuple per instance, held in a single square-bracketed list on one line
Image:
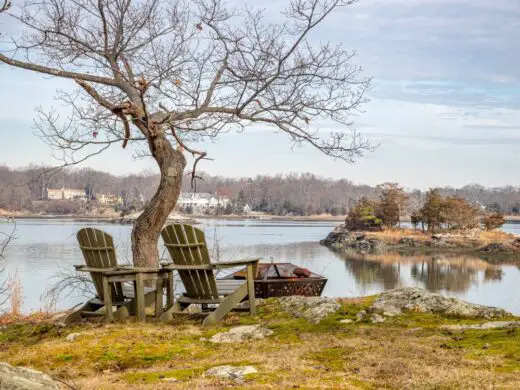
[(504, 343), (27, 333), (333, 359), (152, 377)]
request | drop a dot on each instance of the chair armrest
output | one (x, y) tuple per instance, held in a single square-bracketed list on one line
[(86, 268), (200, 267), (119, 270), (236, 263)]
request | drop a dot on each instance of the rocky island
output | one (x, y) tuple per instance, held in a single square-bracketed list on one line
[(446, 224), (410, 241)]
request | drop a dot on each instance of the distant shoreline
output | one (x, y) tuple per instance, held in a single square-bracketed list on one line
[(310, 218)]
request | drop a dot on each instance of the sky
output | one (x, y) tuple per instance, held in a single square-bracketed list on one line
[(444, 103)]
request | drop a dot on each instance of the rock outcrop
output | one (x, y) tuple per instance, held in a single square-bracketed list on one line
[(394, 302), (484, 326), (21, 378), (341, 238), (313, 309), (231, 372), (241, 333)]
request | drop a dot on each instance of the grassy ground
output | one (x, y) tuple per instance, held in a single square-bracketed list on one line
[(392, 236), (410, 351)]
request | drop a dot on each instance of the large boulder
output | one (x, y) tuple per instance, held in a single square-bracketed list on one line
[(396, 301), (313, 309), (341, 238), (21, 378)]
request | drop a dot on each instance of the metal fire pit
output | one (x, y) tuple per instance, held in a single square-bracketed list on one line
[(280, 280)]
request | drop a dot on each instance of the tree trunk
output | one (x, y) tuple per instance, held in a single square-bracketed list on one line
[(148, 226)]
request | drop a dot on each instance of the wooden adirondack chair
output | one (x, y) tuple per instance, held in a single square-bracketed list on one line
[(108, 277), (189, 252)]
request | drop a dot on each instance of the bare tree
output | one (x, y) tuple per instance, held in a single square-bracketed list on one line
[(5, 239), (172, 74)]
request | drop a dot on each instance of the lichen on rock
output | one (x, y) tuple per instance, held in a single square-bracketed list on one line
[(313, 309), (22, 378), (241, 333), (231, 372), (419, 300)]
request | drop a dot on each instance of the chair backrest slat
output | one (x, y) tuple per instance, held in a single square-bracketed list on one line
[(99, 252), (187, 246)]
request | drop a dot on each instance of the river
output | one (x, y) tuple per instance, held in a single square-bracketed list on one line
[(43, 247)]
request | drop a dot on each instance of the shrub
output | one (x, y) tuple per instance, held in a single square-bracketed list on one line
[(363, 216), (493, 221)]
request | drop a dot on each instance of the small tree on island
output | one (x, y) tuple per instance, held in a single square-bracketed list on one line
[(170, 74), (363, 216), (458, 213), (393, 200), (432, 210), (493, 221)]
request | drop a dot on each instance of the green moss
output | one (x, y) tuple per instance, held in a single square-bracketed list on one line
[(503, 343), (27, 334), (151, 377), (333, 359), (66, 357)]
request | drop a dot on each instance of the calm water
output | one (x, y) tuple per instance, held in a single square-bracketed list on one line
[(44, 246)]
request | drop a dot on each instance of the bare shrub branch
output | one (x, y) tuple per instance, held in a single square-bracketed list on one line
[(5, 240)]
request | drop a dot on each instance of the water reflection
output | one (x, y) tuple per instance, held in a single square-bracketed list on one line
[(453, 273)]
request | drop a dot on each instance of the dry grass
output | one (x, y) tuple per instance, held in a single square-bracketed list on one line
[(331, 355), (394, 235), (495, 236), (15, 297)]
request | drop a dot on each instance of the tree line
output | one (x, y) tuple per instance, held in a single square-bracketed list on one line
[(436, 213), (282, 194)]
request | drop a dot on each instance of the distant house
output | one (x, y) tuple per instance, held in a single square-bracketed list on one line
[(201, 201), (109, 199), (66, 194)]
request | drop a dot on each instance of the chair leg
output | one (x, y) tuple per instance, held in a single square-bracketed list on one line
[(159, 296), (107, 300), (139, 297), (251, 290), (170, 290), (167, 315), (226, 305), (130, 307)]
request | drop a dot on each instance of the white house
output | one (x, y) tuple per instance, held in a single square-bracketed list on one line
[(201, 201), (109, 199), (66, 194)]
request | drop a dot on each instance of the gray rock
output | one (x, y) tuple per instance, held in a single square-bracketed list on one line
[(241, 333), (392, 311), (72, 337), (313, 309), (361, 315), (377, 319), (21, 378), (231, 372), (416, 299), (341, 239), (346, 321), (484, 326)]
